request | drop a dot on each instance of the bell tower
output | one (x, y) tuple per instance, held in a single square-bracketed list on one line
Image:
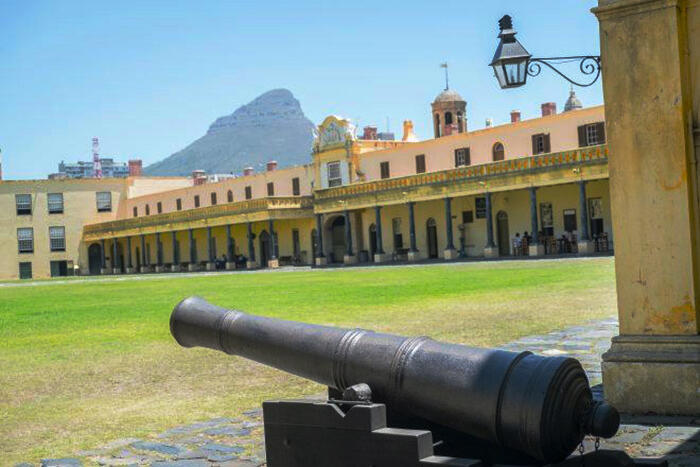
[(449, 111)]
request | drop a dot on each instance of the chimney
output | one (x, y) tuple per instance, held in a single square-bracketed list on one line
[(369, 133), (271, 166), (247, 171), (549, 108), (489, 122), (514, 116), (135, 167), (408, 134)]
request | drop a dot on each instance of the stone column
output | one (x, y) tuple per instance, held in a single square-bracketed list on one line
[(129, 262), (115, 261), (144, 258), (320, 256), (585, 245), (534, 248), (379, 256), (251, 264), (413, 251), (175, 267), (349, 257), (103, 257), (450, 252), (490, 251), (211, 260), (230, 249), (193, 266), (650, 53), (273, 262)]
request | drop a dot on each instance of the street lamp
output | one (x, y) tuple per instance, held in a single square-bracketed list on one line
[(512, 63)]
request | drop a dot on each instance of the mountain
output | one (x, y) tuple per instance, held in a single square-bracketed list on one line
[(272, 126)]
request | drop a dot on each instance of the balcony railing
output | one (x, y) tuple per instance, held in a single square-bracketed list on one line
[(542, 162), (220, 210)]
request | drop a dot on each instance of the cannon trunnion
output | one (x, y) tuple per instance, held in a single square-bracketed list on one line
[(530, 408)]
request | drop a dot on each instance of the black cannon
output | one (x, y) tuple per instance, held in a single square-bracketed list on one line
[(539, 408)]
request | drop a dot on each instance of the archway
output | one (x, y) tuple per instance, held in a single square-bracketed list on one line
[(372, 241), (264, 248), (338, 247), (95, 258), (432, 238), (503, 233)]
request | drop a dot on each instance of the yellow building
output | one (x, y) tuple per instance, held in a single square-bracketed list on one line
[(531, 187)]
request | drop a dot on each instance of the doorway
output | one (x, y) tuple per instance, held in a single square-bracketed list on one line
[(264, 248), (338, 239), (372, 241), (503, 233), (432, 238), (95, 258)]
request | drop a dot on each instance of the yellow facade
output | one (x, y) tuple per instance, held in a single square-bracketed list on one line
[(137, 235)]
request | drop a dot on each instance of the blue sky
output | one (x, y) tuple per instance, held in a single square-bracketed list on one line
[(148, 77)]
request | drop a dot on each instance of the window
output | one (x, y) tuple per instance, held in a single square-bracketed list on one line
[(462, 157), (420, 163), (248, 192), (595, 213), (270, 189), (384, 169), (499, 153), (104, 201), (136, 211), (396, 230), (569, 220), (24, 205), (467, 217), (178, 204), (55, 203), (25, 240), (480, 204), (57, 238), (25, 270), (148, 210), (196, 201), (159, 207), (229, 196), (296, 191), (334, 177), (213, 198), (541, 144), (591, 134)]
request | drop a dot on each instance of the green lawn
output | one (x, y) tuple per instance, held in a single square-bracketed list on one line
[(83, 363)]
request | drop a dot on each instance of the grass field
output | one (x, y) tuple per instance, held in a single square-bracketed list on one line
[(83, 363)]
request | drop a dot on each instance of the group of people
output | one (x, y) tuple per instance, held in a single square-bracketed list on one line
[(220, 263), (520, 244)]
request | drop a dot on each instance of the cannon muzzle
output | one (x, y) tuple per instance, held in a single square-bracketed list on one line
[(540, 406)]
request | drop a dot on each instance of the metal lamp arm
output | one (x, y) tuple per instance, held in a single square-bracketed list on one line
[(589, 65)]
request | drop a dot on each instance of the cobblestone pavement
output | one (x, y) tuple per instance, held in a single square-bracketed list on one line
[(238, 442)]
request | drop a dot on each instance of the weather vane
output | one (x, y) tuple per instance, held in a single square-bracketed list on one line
[(447, 82)]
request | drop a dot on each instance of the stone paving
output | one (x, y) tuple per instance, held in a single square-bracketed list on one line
[(239, 442)]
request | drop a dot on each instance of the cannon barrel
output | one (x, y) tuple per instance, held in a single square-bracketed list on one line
[(540, 406)]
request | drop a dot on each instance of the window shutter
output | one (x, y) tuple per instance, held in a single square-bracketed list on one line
[(582, 142), (534, 144), (600, 129), (547, 144), (467, 157), (456, 158)]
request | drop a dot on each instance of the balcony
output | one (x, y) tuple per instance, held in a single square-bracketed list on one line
[(541, 170), (243, 211)]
